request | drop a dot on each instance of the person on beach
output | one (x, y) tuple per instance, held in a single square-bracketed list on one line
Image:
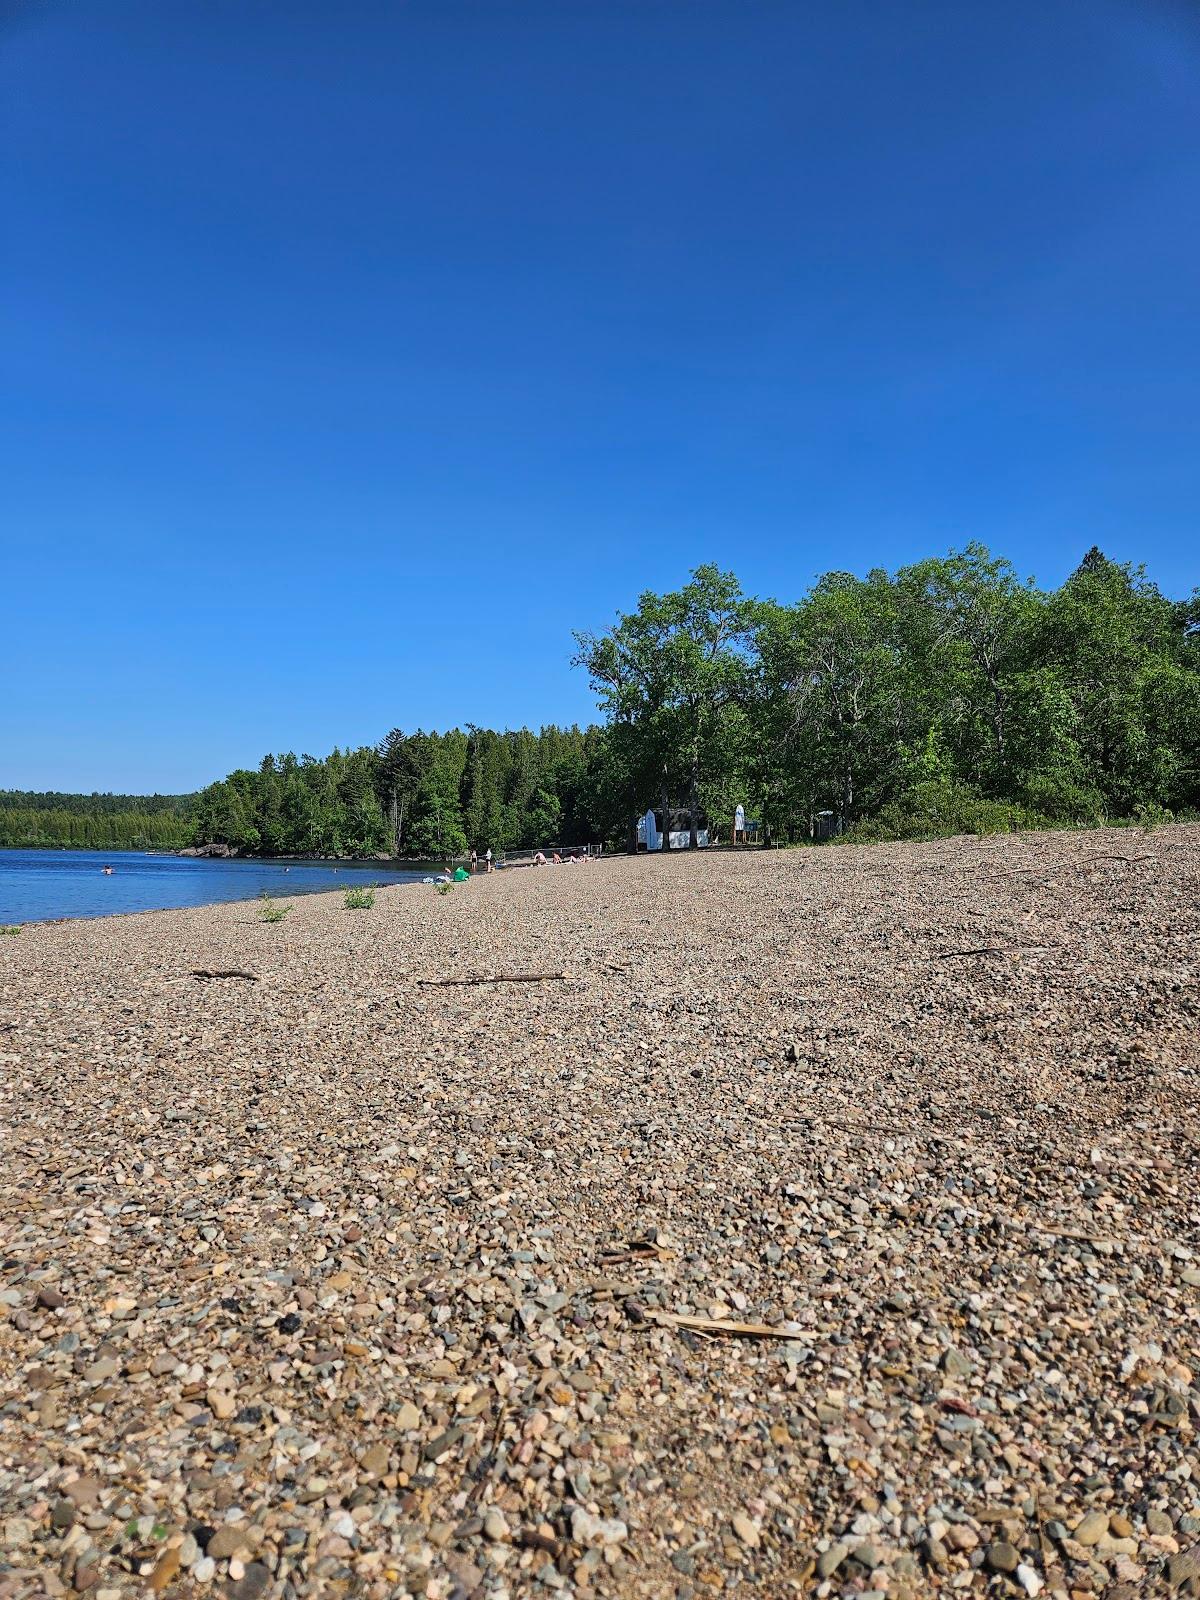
[(488, 857), (474, 861)]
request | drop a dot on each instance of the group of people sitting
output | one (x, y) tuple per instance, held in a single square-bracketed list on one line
[(485, 863)]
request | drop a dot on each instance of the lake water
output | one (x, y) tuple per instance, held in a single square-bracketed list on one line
[(36, 885)]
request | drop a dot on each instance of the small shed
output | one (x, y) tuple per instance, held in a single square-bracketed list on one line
[(650, 834)]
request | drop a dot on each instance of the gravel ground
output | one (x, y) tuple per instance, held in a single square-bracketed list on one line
[(340, 1283)]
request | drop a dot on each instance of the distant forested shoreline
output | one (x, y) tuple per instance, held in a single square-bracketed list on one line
[(948, 697), (49, 820)]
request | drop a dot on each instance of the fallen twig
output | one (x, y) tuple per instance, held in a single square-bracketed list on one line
[(204, 974), (720, 1326), (1112, 855), (533, 1539), (988, 950), (491, 977), (642, 1250), (488, 1462)]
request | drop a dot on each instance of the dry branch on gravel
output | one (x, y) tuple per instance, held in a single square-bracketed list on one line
[(720, 1327), (988, 950), (490, 977)]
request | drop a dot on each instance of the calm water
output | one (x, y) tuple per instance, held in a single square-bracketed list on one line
[(36, 885)]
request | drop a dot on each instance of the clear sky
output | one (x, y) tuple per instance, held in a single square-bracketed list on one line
[(354, 354)]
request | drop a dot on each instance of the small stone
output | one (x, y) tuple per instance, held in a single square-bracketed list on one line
[(495, 1526), (204, 1570), (1183, 1566), (1158, 1523), (1120, 1526), (830, 1560), (62, 1515), (229, 1538), (222, 1403), (1002, 1556), (442, 1443), (106, 1367), (253, 1582), (50, 1299), (1091, 1529), (1029, 1579), (745, 1530), (407, 1417), (935, 1553), (956, 1365), (587, 1529), (83, 1492), (375, 1460)]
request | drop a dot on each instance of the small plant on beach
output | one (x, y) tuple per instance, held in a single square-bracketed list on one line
[(12, 929), (270, 910), (1149, 815), (444, 888), (360, 898)]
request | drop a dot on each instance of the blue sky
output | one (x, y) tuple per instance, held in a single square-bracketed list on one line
[(353, 355)]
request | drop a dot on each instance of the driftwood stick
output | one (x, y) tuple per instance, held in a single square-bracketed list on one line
[(204, 974), (491, 977), (721, 1326), (990, 950), (641, 1250)]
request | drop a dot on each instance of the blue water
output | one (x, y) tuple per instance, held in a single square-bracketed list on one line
[(36, 885)]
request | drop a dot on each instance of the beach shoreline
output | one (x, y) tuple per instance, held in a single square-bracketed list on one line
[(811, 1215)]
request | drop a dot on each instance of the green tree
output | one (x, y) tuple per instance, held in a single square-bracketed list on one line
[(668, 675)]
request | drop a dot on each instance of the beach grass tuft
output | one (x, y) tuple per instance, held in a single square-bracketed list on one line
[(360, 898)]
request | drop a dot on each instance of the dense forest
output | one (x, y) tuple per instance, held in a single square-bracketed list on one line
[(949, 696), (95, 821), (421, 794)]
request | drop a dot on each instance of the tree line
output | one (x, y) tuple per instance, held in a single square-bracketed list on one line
[(424, 795), (49, 819), (948, 696)]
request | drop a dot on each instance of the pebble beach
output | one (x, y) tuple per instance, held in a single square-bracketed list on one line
[(809, 1222)]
